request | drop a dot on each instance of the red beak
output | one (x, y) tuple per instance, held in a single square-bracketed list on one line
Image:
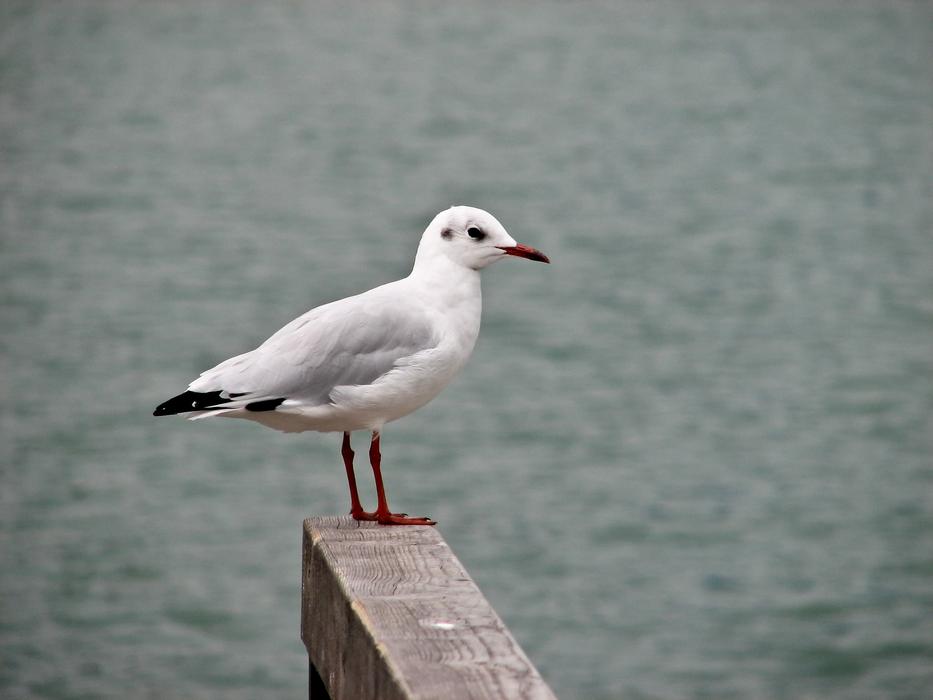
[(524, 251)]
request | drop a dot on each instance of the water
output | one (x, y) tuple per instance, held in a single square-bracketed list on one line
[(690, 459)]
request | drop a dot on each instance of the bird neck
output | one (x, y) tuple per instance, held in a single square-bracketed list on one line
[(447, 281), (452, 295)]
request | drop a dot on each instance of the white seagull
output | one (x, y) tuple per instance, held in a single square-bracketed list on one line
[(361, 362)]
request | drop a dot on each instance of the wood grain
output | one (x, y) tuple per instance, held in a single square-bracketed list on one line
[(390, 613)]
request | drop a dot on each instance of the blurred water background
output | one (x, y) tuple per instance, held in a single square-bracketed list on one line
[(690, 459)]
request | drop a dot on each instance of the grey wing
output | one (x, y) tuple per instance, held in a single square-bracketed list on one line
[(353, 341)]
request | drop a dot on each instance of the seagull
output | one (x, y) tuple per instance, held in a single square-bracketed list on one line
[(366, 360)]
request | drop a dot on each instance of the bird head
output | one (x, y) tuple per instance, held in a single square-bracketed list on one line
[(472, 238)]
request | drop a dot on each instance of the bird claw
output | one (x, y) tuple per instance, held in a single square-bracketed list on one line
[(363, 515), (390, 518), (401, 519)]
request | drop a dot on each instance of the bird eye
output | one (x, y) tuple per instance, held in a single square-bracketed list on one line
[(475, 233)]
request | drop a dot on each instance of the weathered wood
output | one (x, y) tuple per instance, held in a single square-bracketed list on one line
[(389, 613)]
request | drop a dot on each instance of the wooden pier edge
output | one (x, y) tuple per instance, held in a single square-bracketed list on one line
[(389, 613)]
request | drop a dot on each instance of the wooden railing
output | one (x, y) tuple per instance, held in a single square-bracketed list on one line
[(389, 613)]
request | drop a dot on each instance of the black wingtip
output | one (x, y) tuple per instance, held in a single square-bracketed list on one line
[(203, 401), (267, 405), (191, 401)]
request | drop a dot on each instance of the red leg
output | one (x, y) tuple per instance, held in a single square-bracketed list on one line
[(356, 510), (383, 514)]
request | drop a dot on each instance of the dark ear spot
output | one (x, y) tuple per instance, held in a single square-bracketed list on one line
[(446, 234)]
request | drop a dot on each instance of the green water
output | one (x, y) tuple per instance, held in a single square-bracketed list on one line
[(690, 459)]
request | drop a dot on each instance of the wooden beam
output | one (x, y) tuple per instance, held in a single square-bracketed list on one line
[(389, 613)]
